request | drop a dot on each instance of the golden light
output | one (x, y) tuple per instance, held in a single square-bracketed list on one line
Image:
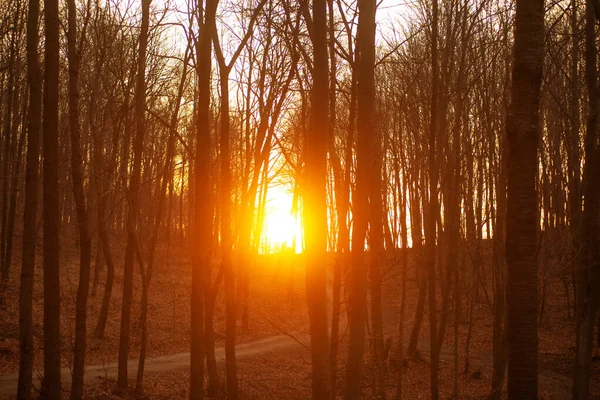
[(281, 229)]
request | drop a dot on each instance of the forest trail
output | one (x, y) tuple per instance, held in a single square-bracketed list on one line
[(558, 384), (277, 343)]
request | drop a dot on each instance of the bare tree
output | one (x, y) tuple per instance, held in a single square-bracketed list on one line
[(365, 125), (34, 76), (523, 130), (51, 209), (133, 196), (85, 251)]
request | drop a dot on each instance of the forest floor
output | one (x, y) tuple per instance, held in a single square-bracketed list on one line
[(271, 362)]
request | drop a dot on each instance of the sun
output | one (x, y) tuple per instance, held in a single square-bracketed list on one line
[(281, 228)]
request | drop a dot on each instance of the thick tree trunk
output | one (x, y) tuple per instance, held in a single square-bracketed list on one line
[(315, 206), (51, 211), (202, 225), (522, 219), (34, 78), (365, 125), (588, 275)]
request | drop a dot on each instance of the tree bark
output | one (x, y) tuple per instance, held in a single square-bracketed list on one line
[(315, 206), (51, 210), (85, 245), (202, 225), (34, 77), (133, 196), (433, 207), (588, 275), (521, 214), (365, 125)]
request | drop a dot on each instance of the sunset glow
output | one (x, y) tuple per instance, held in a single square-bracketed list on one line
[(280, 226)]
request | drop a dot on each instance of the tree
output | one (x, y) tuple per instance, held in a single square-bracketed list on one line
[(133, 196), (226, 195), (523, 129), (51, 209), (433, 208), (202, 225), (12, 153), (315, 205), (34, 76), (365, 128), (85, 251), (588, 274)]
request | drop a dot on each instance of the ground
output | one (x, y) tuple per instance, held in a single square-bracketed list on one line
[(272, 365)]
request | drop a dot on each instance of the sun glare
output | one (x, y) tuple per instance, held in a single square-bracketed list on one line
[(281, 229)]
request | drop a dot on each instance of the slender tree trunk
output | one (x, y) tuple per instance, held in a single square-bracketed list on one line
[(85, 249), (133, 197), (404, 268), (14, 189), (376, 250), (162, 194), (110, 270), (225, 209), (9, 150), (226, 241), (421, 278), (99, 261), (103, 243), (341, 201), (433, 207)]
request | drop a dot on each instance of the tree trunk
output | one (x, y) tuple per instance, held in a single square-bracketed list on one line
[(420, 278), (404, 268), (433, 208), (161, 192), (34, 78), (365, 125), (588, 275), (377, 256), (51, 211), (315, 206), (226, 237), (9, 150), (14, 189), (133, 196), (521, 214), (85, 244), (202, 225)]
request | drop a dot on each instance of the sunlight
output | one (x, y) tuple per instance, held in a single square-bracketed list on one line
[(281, 229)]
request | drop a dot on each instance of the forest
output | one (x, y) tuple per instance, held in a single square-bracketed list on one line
[(294, 199)]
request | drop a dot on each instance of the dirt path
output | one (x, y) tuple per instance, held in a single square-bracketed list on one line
[(558, 384), (279, 343)]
